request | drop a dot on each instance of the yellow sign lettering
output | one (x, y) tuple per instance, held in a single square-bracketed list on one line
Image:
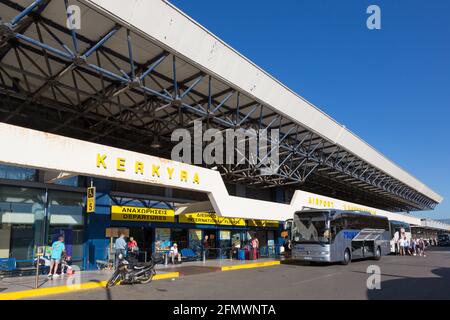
[(170, 172), (101, 160), (155, 171), (120, 164), (125, 213), (184, 175), (139, 167), (196, 179)]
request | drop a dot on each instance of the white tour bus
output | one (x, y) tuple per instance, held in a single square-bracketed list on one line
[(338, 236)]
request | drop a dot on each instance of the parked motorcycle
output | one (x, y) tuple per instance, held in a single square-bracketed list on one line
[(127, 273)]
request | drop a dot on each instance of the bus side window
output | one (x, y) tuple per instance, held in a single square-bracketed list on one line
[(337, 226)]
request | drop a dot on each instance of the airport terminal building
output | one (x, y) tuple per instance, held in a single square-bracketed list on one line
[(90, 94)]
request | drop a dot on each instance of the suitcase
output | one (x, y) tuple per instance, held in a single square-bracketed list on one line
[(254, 254)]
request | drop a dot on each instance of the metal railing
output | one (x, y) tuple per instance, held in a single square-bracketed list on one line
[(272, 251), (216, 253)]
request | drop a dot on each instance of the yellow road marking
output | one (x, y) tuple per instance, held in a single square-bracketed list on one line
[(102, 284), (65, 289), (251, 265)]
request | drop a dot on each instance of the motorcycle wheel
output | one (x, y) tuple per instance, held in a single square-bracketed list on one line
[(150, 277), (115, 279)]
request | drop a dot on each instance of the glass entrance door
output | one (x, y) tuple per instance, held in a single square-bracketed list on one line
[(212, 237)]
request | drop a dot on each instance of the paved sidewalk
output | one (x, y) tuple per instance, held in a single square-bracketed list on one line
[(11, 288)]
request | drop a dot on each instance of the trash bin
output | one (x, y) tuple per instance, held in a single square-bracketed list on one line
[(241, 254)]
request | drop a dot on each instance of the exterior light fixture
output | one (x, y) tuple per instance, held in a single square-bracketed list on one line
[(155, 143)]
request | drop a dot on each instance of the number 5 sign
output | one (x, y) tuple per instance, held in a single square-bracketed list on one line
[(90, 205)]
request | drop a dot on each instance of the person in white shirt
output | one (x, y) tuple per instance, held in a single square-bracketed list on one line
[(174, 253), (407, 247), (402, 246), (396, 240)]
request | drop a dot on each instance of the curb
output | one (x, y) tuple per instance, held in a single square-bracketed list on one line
[(251, 265), (65, 289), (33, 293)]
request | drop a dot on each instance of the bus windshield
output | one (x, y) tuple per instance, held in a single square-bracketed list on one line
[(443, 237), (310, 227)]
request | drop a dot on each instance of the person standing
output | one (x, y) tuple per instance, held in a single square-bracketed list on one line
[(121, 247), (133, 250), (419, 247), (407, 247), (401, 243), (253, 248), (287, 247), (132, 244), (257, 247), (414, 246), (58, 248), (205, 245), (396, 242)]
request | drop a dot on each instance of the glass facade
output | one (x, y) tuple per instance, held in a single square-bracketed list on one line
[(35, 214), (16, 173), (65, 217), (28, 220), (22, 212)]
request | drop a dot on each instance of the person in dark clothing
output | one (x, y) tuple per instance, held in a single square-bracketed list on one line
[(287, 247)]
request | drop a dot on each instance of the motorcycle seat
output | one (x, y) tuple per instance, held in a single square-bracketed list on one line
[(141, 266)]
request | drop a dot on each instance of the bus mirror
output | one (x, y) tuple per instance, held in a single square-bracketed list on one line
[(288, 224)]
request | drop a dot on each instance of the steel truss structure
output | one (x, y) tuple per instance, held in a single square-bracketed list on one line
[(109, 84)]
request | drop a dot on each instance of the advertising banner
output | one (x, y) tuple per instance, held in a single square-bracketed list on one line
[(163, 236)]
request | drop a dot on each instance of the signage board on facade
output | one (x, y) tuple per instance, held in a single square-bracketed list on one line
[(225, 235), (210, 218), (90, 202), (116, 232), (263, 223), (141, 214)]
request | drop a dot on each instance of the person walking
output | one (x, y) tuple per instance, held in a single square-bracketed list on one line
[(423, 246), (58, 248), (121, 247)]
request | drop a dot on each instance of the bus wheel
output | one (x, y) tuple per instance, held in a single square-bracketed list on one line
[(377, 254), (347, 257)]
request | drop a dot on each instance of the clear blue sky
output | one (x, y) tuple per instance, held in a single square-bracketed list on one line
[(390, 86)]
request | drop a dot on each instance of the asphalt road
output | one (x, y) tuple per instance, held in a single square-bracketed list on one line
[(401, 278)]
